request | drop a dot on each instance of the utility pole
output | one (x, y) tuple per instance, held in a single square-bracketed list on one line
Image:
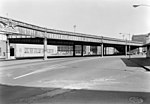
[(45, 45), (74, 28), (127, 42)]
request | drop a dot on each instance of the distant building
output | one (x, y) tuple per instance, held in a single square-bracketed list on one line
[(148, 45), (148, 38), (140, 38)]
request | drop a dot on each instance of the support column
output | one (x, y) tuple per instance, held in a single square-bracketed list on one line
[(129, 51), (74, 53), (45, 48), (105, 49), (102, 50), (126, 50), (81, 50), (7, 48)]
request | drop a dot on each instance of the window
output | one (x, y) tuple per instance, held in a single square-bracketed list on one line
[(26, 50)]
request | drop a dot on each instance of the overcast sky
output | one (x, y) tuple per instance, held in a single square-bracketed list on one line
[(96, 17)]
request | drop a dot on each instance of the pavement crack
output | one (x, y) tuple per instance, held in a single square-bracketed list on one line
[(50, 94)]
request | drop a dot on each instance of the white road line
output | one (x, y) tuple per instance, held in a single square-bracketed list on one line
[(52, 67), (38, 71)]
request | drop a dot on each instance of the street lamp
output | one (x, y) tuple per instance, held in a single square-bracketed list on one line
[(126, 42), (137, 5), (74, 27)]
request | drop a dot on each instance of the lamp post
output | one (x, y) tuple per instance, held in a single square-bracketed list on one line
[(74, 28), (45, 45), (127, 43), (102, 45), (138, 5)]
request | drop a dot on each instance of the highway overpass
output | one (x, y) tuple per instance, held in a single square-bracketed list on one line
[(21, 32)]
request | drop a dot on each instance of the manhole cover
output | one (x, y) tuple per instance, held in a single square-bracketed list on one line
[(136, 100)]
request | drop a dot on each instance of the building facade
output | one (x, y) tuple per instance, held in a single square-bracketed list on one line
[(140, 38), (2, 46)]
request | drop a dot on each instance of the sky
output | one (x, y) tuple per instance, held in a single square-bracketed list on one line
[(95, 17)]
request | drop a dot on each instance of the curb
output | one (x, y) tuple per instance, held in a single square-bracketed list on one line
[(145, 67)]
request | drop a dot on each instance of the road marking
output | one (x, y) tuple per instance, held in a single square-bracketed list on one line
[(52, 67), (136, 100), (39, 71)]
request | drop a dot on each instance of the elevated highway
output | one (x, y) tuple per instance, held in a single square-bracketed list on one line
[(21, 32)]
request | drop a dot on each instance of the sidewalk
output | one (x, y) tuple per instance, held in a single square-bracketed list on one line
[(142, 61), (16, 62), (38, 95)]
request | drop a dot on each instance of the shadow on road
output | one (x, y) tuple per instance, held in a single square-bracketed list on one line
[(141, 61), (129, 63), (136, 62), (30, 95)]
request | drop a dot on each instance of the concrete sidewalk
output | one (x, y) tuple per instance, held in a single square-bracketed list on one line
[(142, 61), (38, 95)]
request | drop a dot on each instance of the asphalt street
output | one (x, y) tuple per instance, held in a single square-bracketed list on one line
[(115, 73), (89, 73)]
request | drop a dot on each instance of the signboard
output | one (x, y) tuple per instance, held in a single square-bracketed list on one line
[(8, 28)]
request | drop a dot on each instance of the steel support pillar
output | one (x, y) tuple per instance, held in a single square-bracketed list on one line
[(126, 50), (7, 49), (74, 53), (81, 50), (102, 50), (129, 51), (45, 48)]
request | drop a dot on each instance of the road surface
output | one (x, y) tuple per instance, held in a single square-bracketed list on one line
[(66, 75)]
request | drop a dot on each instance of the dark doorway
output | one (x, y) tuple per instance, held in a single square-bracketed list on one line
[(12, 52)]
